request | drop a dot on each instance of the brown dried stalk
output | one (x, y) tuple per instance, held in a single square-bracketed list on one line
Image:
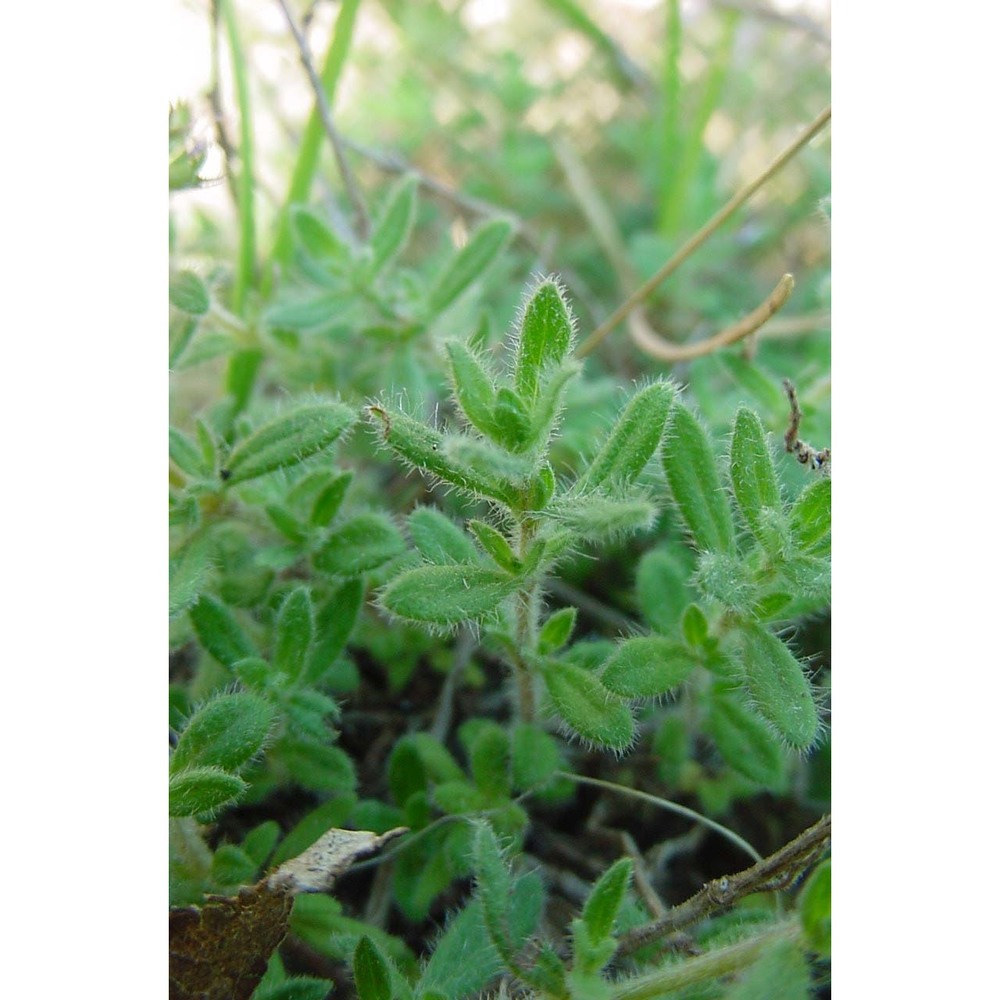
[(644, 336), (777, 871), (804, 452)]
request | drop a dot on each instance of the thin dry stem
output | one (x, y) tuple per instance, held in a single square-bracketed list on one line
[(673, 807), (326, 117), (710, 227), (776, 871), (215, 100), (802, 450), (794, 326), (465, 645), (651, 343)]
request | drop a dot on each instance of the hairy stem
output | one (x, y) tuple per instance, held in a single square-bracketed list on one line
[(526, 625), (776, 871), (704, 968)]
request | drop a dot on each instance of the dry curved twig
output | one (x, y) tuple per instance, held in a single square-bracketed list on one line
[(710, 227), (650, 342)]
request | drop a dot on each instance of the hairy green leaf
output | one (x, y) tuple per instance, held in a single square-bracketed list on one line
[(293, 633), (493, 882), (318, 767), (745, 741), (334, 620), (599, 518), (469, 264), (473, 388), (186, 455), (489, 762), (371, 972), (495, 545), (781, 973), (811, 517), (587, 706), (308, 311), (188, 571), (188, 293), (392, 231), (226, 732), (556, 631), (203, 791), (544, 337), (633, 440), (605, 900), (464, 960), (814, 908), (314, 236), (426, 449), (694, 482), (647, 666), (694, 626), (219, 632), (512, 421), (232, 866), (329, 499), (363, 543), (405, 771), (438, 539), (288, 440), (295, 988), (447, 595), (661, 585), (751, 470), (779, 689), (534, 756)]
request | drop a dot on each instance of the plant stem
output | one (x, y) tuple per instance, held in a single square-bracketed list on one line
[(777, 871), (674, 807), (526, 628), (526, 621), (645, 337), (716, 222), (305, 167), (246, 262), (326, 117), (670, 126), (704, 968)]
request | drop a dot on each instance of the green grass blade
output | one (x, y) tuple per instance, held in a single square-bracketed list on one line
[(691, 144), (246, 260), (670, 135), (305, 167)]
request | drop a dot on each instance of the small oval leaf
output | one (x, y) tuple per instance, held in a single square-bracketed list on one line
[(587, 706), (288, 440), (779, 689), (544, 336), (469, 263), (694, 482), (647, 666), (363, 543), (751, 470), (447, 595)]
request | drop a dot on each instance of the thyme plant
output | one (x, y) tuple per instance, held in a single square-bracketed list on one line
[(539, 630)]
